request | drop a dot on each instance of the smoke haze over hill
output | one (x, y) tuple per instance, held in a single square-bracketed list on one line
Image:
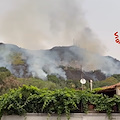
[(41, 24), (40, 63)]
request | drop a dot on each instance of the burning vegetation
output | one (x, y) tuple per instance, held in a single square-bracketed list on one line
[(64, 62), (41, 24)]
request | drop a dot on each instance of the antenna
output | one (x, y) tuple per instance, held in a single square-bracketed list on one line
[(82, 81)]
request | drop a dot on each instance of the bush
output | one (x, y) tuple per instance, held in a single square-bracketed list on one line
[(3, 69), (7, 81), (3, 74), (38, 83), (29, 99), (107, 82), (117, 76)]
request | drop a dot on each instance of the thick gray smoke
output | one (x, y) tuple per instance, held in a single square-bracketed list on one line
[(40, 24), (46, 62), (43, 63)]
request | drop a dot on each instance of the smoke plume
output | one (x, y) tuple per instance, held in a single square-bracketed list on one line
[(40, 63), (40, 24)]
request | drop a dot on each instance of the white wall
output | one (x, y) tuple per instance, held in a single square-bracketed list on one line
[(74, 116)]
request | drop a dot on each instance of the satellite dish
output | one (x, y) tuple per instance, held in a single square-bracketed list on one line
[(82, 81)]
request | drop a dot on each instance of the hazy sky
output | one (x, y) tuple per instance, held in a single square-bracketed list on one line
[(102, 17)]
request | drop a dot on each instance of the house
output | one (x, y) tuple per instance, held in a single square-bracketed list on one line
[(111, 90)]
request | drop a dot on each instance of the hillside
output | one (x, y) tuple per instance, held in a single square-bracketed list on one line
[(69, 62)]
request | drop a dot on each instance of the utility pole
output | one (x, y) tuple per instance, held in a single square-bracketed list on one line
[(82, 81)]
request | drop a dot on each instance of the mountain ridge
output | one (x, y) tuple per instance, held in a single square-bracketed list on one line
[(40, 63)]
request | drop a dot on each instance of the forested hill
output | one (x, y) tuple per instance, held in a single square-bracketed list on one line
[(68, 62)]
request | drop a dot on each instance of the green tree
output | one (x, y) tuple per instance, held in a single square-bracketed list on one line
[(107, 82), (117, 76), (7, 80), (60, 83), (37, 82), (4, 72)]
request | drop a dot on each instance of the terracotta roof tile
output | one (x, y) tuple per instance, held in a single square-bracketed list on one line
[(111, 87)]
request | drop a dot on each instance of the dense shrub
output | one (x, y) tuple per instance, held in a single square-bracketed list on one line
[(37, 83), (7, 80), (107, 82), (3, 74), (9, 83), (29, 99)]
